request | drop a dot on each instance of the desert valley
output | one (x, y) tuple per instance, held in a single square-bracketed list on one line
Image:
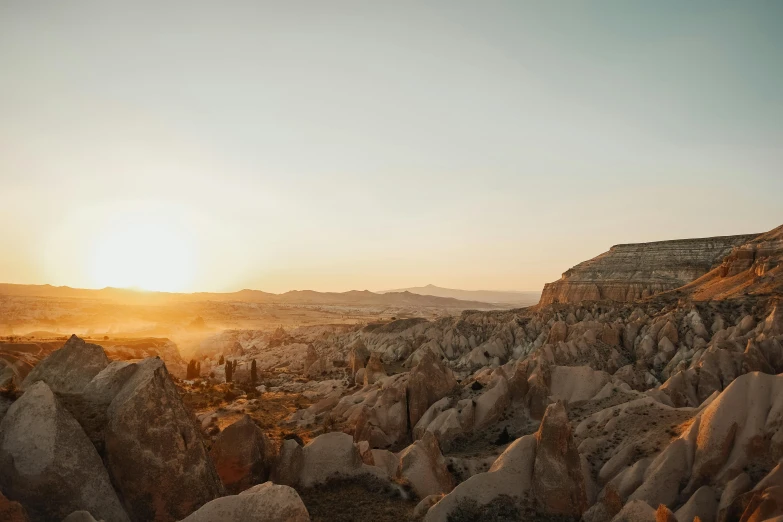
[(391, 261), (644, 385)]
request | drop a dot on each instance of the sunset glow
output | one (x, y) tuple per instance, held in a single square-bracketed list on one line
[(143, 250)]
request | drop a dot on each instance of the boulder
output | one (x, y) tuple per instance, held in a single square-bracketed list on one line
[(149, 429), (243, 455), (387, 461), (423, 467), (48, 464), (558, 483), (265, 502), (69, 369), (288, 465), (91, 406), (331, 455)]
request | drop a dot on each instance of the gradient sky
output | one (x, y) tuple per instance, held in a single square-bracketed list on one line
[(352, 145)]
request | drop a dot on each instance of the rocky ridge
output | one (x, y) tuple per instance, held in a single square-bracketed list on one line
[(664, 408), (634, 271)]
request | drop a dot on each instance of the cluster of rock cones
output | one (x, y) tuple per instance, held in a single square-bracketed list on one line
[(669, 408)]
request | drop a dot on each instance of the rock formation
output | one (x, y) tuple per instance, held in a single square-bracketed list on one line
[(558, 484), (242, 455), (331, 456), (666, 408), (753, 268), (128, 413), (423, 467), (265, 502), (69, 369), (49, 465), (149, 428), (633, 271)]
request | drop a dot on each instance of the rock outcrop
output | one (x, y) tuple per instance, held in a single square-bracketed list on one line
[(243, 455), (332, 456), (753, 268), (265, 502), (423, 467), (69, 369), (428, 382), (149, 428), (558, 484), (634, 271), (539, 473), (49, 465)]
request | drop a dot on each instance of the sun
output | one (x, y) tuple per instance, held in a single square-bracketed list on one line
[(145, 249)]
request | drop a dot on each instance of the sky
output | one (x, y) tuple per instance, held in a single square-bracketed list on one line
[(216, 146)]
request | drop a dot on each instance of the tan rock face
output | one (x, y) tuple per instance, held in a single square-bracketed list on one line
[(69, 369), (384, 424), (428, 382), (149, 428), (331, 455), (49, 465), (357, 358), (633, 271), (374, 370), (493, 402), (262, 503), (288, 465), (242, 455), (422, 465), (510, 476), (558, 483), (558, 332)]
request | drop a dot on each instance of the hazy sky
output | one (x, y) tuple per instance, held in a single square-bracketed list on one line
[(336, 145)]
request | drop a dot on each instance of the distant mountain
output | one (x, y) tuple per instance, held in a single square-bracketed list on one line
[(527, 298), (294, 297)]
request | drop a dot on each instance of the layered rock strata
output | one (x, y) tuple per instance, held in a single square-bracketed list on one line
[(634, 271)]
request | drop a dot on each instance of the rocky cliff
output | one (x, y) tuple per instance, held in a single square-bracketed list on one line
[(634, 271), (753, 268)]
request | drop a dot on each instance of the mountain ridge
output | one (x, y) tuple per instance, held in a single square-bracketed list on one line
[(293, 297), (514, 297)]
